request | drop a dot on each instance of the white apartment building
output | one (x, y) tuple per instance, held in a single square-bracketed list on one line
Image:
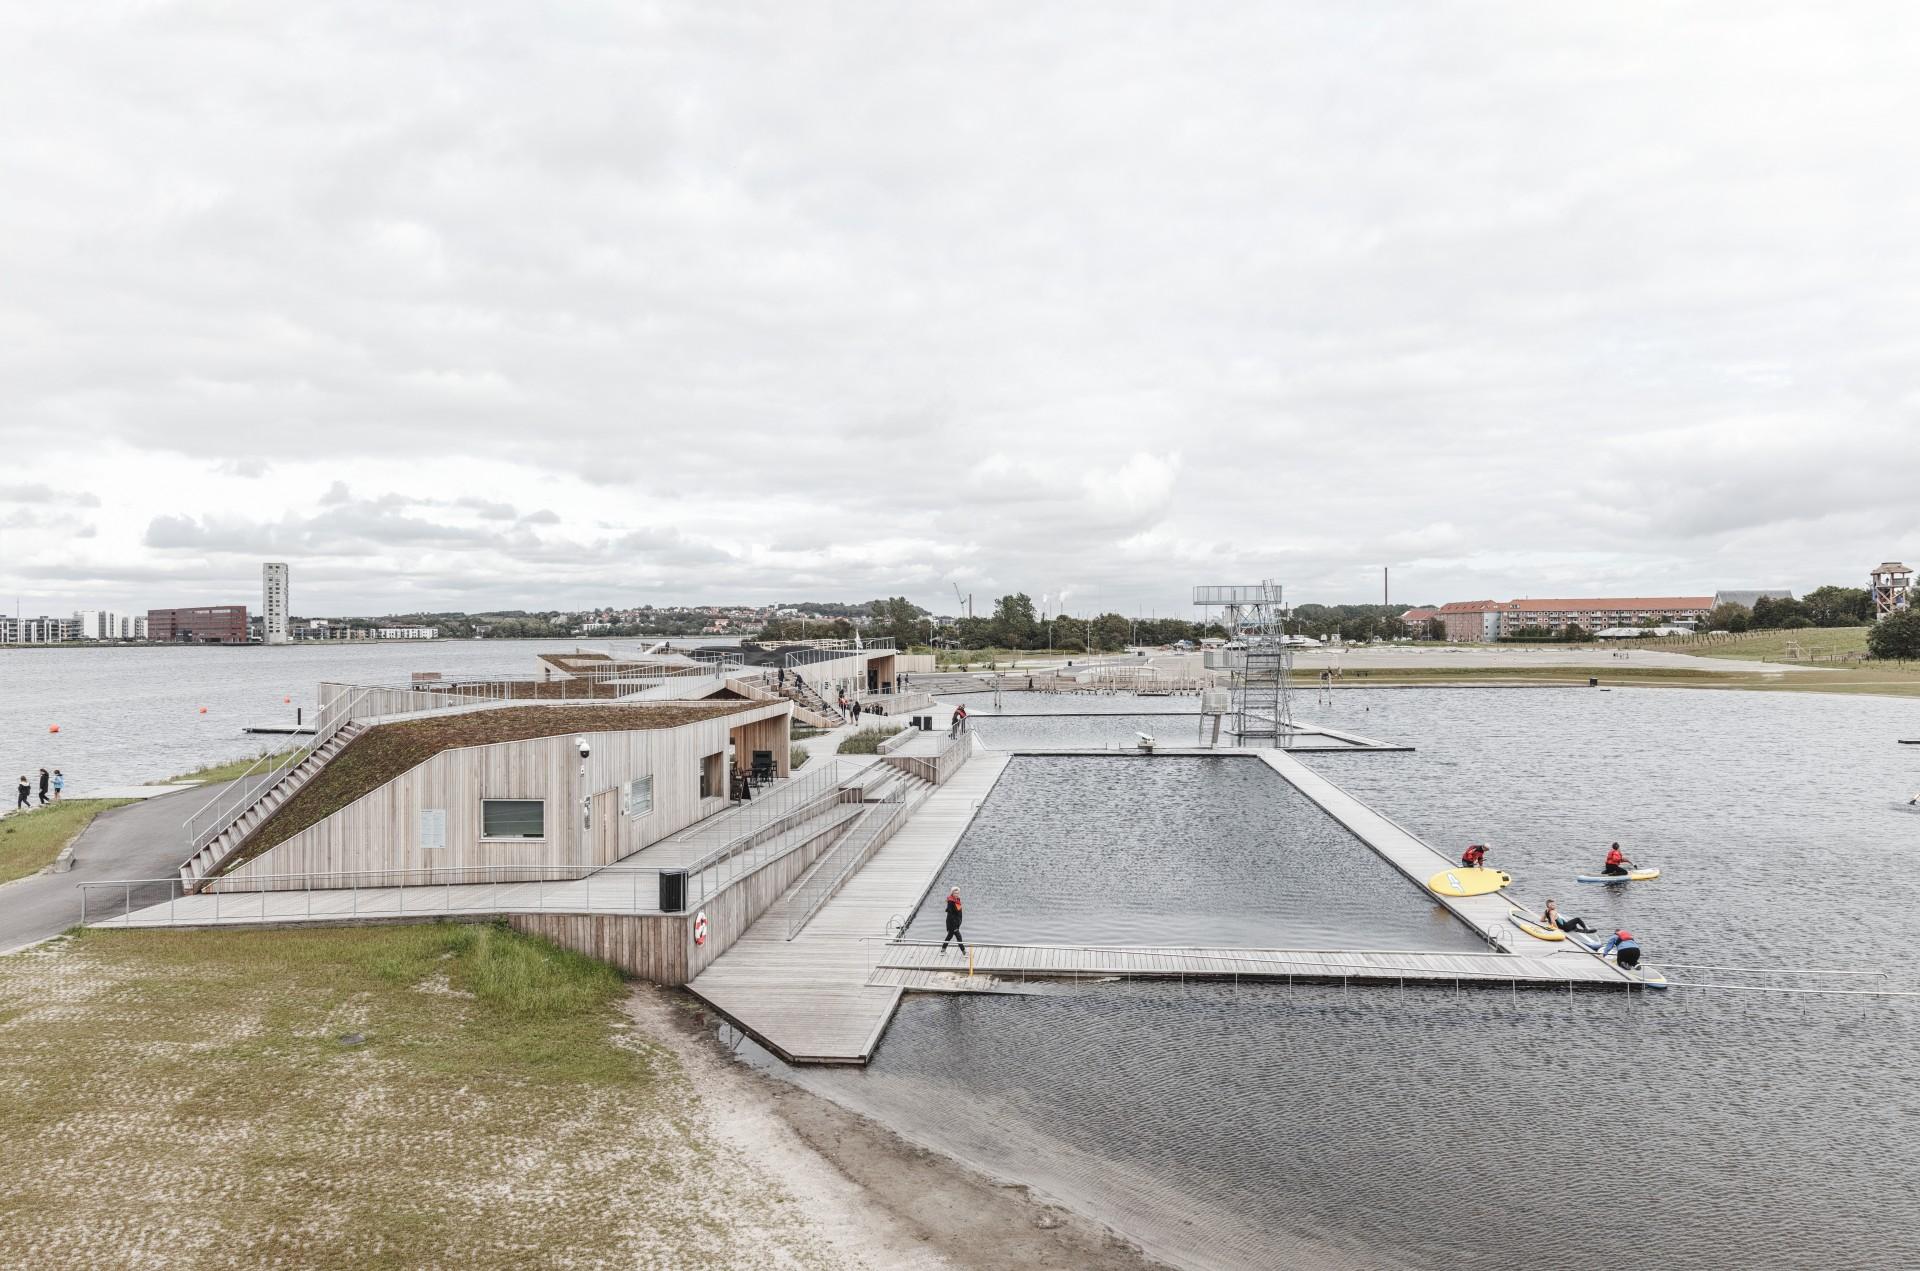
[(42, 630), (273, 603), (407, 633)]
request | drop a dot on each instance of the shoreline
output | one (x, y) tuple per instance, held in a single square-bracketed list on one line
[(873, 1191)]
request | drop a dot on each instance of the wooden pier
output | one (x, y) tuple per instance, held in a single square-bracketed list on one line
[(998, 963), (810, 999), (1405, 851)]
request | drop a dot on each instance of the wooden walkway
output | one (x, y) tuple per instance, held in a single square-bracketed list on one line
[(1417, 861), (1570, 967), (810, 999)]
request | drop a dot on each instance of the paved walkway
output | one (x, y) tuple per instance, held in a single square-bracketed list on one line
[(808, 999), (143, 840)]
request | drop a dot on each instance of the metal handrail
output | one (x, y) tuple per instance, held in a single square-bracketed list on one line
[(243, 792), (627, 879), (813, 788), (841, 861)]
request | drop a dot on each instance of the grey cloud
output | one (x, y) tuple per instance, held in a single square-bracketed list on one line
[(35, 493), (1614, 299)]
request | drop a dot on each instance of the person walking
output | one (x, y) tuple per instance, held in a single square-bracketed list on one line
[(26, 790), (953, 920), (46, 779), (856, 710), (781, 677), (59, 784), (960, 713)]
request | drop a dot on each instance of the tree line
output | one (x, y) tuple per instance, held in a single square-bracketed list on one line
[(1821, 607)]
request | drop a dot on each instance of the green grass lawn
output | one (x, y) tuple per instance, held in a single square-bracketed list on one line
[(232, 769), (30, 840), (405, 1096), (1814, 643)]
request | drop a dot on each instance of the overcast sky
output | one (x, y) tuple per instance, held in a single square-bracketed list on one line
[(487, 304)]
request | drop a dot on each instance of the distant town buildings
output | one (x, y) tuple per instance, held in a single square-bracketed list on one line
[(206, 624), (1469, 620), (273, 603)]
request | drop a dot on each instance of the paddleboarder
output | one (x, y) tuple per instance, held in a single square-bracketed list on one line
[(1475, 857), (1617, 862), (953, 920), (1554, 918), (1625, 948)]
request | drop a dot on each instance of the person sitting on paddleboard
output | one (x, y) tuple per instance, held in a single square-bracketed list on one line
[(1617, 862), (1625, 948), (1475, 857), (1554, 919)]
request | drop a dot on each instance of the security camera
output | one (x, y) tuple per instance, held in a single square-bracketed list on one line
[(580, 744)]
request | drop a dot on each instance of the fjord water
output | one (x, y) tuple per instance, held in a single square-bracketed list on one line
[(132, 715), (1254, 1126)]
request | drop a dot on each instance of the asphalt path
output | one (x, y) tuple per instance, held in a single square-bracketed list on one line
[(140, 840)]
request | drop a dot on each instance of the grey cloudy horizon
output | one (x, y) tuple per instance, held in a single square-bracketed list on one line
[(487, 306)]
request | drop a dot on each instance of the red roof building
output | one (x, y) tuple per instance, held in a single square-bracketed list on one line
[(1494, 619)]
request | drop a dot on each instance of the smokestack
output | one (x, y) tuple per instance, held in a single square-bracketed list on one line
[(1383, 586)]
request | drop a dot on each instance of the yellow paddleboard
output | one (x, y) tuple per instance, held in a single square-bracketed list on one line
[(1469, 882), (1537, 930)]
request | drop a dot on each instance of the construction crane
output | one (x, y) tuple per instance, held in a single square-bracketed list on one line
[(964, 602)]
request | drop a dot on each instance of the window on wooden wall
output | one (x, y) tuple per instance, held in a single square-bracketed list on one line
[(639, 796), (513, 819), (712, 778)]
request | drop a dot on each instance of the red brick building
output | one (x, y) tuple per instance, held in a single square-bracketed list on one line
[(1495, 619), (206, 624)]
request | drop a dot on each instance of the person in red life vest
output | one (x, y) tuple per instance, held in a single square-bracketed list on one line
[(1625, 948), (1617, 862), (953, 921), (1475, 857)]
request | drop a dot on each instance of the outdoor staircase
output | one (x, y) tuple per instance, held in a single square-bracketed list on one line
[(808, 701), (215, 851)]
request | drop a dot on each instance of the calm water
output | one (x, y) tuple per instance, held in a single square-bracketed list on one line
[(1174, 851), (133, 715), (1254, 1127)]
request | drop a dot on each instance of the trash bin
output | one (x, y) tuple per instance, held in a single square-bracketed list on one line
[(673, 891)]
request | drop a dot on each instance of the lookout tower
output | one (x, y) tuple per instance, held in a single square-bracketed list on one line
[(1262, 699), (1892, 588)]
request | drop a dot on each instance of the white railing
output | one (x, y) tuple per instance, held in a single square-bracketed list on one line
[(840, 862), (216, 814), (748, 844), (388, 893), (940, 766)]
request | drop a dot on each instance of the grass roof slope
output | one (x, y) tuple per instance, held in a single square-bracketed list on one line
[(386, 751)]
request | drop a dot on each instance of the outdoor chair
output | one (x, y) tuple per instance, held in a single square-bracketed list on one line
[(763, 770)]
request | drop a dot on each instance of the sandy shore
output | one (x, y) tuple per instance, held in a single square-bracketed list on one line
[(880, 1200)]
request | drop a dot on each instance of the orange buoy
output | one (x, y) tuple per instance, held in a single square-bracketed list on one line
[(53, 728), (203, 710), (285, 700)]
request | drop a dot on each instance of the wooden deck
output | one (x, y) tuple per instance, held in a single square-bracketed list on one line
[(1403, 850), (1003, 963), (811, 999)]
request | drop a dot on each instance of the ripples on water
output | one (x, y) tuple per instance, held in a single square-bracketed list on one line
[(1174, 851), (1253, 1126), (132, 715)]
